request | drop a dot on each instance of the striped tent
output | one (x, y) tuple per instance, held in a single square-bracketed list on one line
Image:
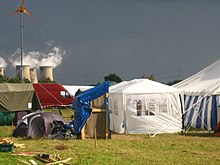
[(202, 98), (201, 112)]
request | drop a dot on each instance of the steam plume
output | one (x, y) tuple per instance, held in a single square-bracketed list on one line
[(36, 58), (3, 63)]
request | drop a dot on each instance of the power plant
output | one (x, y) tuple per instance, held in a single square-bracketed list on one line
[(2, 71), (23, 73), (31, 74), (46, 72)]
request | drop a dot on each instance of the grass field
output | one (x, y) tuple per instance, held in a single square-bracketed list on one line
[(192, 148)]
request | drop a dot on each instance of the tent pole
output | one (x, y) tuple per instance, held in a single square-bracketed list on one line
[(181, 103)]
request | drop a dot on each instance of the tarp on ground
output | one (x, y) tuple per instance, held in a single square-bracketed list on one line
[(202, 101), (18, 97), (142, 106)]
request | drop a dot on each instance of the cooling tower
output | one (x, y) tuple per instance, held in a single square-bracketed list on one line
[(33, 75), (26, 71), (46, 72), (2, 71)]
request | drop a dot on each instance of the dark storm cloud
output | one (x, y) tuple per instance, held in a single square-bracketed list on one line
[(167, 38)]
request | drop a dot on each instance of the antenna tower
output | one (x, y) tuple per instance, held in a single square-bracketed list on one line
[(20, 11)]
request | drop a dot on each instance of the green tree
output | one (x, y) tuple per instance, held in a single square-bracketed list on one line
[(3, 79), (113, 77), (47, 80), (173, 82), (14, 80), (26, 80)]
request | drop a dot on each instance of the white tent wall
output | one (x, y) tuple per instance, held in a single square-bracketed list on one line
[(116, 108), (143, 106), (159, 113)]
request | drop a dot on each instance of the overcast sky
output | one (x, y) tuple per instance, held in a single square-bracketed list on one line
[(89, 39)]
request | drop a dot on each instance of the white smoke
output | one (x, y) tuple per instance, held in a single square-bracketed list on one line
[(3, 63), (36, 58)]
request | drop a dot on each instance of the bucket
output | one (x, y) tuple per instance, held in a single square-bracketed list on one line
[(6, 147)]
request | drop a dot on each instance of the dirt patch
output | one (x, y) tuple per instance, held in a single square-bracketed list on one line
[(60, 147)]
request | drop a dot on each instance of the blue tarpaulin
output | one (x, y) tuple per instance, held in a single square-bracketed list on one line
[(81, 105)]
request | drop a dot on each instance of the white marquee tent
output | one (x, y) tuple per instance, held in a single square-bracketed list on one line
[(202, 101), (142, 106)]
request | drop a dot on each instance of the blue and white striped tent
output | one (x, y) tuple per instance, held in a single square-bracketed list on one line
[(201, 112), (202, 98)]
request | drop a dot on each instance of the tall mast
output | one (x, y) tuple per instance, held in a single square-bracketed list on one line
[(21, 10), (21, 43)]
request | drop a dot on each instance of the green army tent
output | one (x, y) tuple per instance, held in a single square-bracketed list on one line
[(16, 100), (18, 97)]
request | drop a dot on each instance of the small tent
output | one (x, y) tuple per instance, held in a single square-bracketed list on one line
[(142, 106), (37, 124), (202, 98)]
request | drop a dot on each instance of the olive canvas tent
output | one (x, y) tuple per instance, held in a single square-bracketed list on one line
[(142, 106), (16, 97), (202, 98)]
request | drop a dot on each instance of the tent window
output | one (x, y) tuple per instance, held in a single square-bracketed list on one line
[(163, 106), (149, 112), (143, 109), (151, 107), (115, 109), (139, 108)]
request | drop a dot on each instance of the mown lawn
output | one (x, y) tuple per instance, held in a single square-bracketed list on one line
[(192, 148)]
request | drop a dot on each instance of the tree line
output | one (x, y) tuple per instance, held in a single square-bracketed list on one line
[(114, 78)]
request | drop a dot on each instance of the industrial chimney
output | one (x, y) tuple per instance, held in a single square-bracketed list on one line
[(33, 75), (2, 71), (26, 71), (46, 72)]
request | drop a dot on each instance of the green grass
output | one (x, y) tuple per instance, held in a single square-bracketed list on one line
[(192, 148)]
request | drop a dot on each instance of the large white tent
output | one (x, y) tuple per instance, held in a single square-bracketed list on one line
[(142, 106), (202, 101)]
